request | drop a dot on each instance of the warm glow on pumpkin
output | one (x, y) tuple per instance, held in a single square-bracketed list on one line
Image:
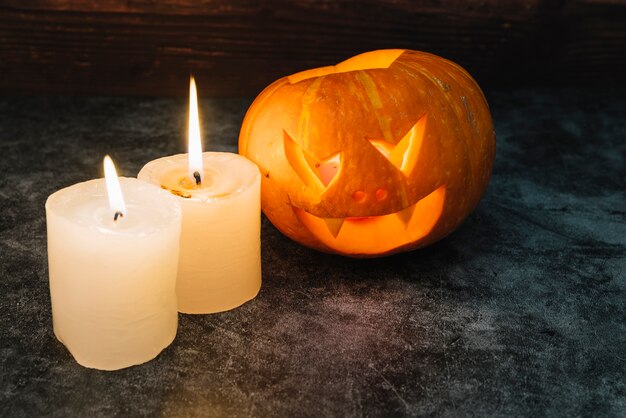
[(387, 151)]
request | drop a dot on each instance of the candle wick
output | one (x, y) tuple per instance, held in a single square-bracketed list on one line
[(118, 214), (196, 176)]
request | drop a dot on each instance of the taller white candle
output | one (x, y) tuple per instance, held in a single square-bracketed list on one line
[(112, 264), (220, 244)]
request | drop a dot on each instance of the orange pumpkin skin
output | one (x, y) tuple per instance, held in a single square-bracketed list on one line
[(386, 152)]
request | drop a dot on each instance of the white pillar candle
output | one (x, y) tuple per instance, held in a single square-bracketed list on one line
[(112, 282), (220, 242)]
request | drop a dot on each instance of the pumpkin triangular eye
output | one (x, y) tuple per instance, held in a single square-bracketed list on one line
[(327, 169), (313, 172), (404, 154)]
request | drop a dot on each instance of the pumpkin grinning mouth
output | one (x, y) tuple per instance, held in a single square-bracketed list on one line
[(370, 232)]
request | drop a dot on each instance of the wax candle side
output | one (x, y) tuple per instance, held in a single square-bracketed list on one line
[(220, 244), (112, 284)]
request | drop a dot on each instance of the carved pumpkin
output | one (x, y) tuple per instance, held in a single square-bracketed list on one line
[(385, 152)]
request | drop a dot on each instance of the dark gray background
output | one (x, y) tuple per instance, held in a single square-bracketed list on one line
[(519, 312)]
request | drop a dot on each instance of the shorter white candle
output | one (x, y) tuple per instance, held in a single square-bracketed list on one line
[(112, 265)]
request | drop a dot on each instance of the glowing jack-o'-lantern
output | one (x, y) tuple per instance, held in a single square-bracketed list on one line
[(385, 152)]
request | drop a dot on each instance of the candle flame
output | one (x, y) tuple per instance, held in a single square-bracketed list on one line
[(195, 144), (114, 191)]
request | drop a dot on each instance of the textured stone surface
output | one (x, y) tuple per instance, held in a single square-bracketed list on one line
[(519, 312)]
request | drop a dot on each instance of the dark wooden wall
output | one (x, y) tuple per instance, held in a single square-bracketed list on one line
[(236, 47)]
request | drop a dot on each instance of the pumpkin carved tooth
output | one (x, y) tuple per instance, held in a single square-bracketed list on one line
[(405, 215), (334, 225)]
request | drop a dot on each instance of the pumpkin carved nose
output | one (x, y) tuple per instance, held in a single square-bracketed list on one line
[(359, 196)]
